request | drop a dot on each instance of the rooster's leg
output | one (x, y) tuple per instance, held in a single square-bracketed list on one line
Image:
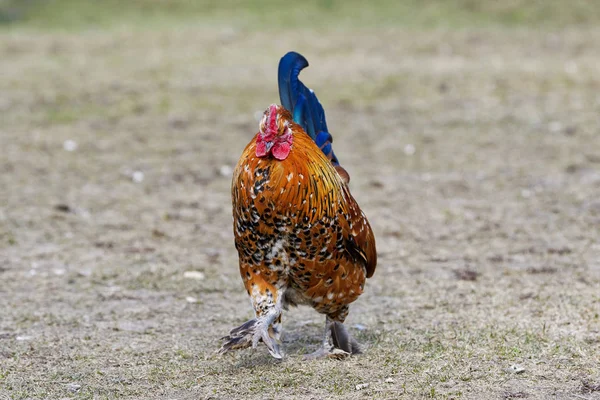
[(269, 331), (326, 348), (266, 327), (335, 331)]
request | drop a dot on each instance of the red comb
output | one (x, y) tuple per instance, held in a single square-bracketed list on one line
[(272, 120)]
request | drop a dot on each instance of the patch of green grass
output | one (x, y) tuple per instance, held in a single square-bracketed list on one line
[(313, 14)]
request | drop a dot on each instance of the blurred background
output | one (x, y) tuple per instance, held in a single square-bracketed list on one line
[(316, 14), (471, 131)]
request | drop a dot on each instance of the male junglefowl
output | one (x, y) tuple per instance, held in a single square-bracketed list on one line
[(300, 235)]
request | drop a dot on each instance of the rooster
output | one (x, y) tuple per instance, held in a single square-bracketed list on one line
[(301, 237)]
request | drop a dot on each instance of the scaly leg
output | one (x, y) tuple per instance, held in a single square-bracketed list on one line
[(326, 349), (343, 343), (266, 327), (342, 340)]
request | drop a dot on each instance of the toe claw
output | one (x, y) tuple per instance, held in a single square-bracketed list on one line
[(337, 354), (276, 353), (250, 334)]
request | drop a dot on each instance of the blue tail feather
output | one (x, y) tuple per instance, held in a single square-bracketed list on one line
[(303, 103)]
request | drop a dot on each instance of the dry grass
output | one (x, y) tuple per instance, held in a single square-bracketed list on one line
[(488, 234)]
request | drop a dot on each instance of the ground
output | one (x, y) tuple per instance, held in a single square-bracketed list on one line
[(473, 150)]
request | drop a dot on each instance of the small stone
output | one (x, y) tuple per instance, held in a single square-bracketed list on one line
[(409, 149), (389, 380), (137, 176), (362, 386), (70, 145), (516, 369), (526, 193), (23, 338), (225, 170), (63, 208), (360, 327), (74, 387), (198, 275), (191, 299)]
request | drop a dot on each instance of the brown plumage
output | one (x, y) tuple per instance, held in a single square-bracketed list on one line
[(301, 237)]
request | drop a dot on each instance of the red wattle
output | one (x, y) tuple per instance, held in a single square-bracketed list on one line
[(281, 150), (261, 148)]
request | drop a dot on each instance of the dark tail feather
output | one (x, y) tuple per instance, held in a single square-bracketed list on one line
[(303, 103), (289, 85)]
